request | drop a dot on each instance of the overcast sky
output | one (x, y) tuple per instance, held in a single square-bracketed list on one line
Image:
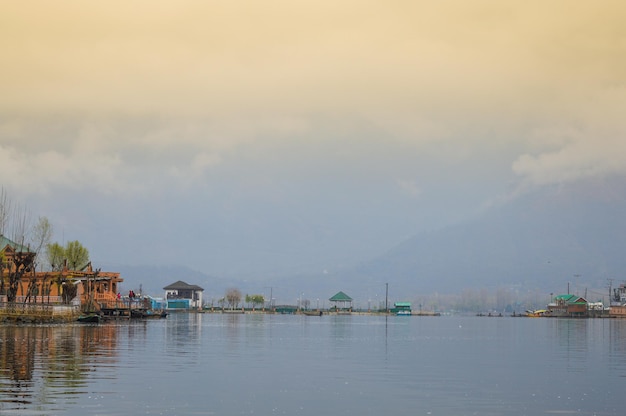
[(280, 136)]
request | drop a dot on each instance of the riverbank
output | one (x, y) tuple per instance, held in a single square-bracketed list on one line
[(37, 313), (314, 312)]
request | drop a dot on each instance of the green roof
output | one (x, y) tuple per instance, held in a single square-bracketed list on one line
[(572, 299), (402, 304), (17, 247), (340, 297)]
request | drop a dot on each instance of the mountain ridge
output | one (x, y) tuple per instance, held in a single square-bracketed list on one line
[(547, 240)]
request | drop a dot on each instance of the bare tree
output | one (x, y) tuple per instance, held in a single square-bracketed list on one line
[(19, 259), (41, 236), (22, 263), (233, 297), (27, 243), (5, 211), (20, 224), (33, 288)]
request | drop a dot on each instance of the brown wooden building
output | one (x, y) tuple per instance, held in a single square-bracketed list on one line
[(87, 286), (91, 286), (573, 306)]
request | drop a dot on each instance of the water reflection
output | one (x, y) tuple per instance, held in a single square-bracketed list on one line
[(572, 338), (274, 364), (572, 333), (45, 363), (617, 347), (182, 329), (581, 343)]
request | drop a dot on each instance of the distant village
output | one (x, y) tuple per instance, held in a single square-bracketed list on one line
[(80, 292)]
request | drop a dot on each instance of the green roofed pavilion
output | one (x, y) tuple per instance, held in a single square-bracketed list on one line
[(342, 299)]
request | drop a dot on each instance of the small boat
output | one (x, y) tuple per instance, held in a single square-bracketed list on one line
[(92, 318), (147, 313), (150, 313), (312, 313), (537, 313)]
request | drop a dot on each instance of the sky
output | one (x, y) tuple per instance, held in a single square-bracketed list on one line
[(246, 138)]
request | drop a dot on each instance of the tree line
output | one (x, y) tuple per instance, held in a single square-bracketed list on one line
[(233, 297)]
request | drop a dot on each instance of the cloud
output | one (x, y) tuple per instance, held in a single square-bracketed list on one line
[(188, 175), (591, 144), (284, 104), (44, 171), (409, 187)]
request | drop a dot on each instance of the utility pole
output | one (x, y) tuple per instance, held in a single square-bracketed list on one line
[(576, 276), (386, 297), (271, 295)]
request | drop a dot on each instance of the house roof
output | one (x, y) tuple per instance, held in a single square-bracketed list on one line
[(17, 247), (180, 285), (570, 298), (340, 297)]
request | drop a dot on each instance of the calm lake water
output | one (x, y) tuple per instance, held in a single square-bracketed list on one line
[(213, 364)]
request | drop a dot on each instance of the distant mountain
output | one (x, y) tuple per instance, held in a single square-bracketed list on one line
[(563, 234), (152, 279), (546, 240)]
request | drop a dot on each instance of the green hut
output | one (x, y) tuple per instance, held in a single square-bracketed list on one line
[(341, 301)]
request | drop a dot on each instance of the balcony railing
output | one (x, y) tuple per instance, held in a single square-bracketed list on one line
[(38, 299)]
